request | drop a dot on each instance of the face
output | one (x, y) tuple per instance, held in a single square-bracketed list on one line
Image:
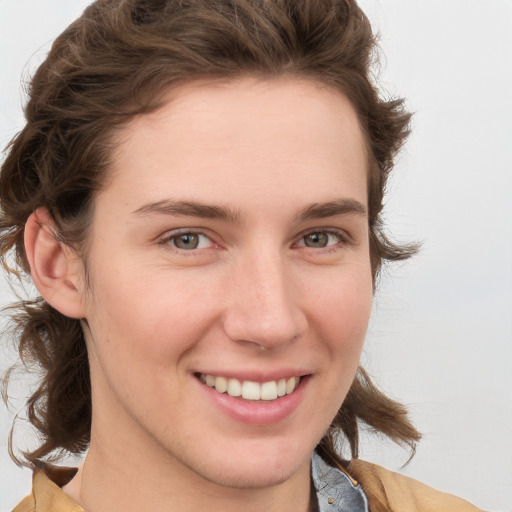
[(229, 254)]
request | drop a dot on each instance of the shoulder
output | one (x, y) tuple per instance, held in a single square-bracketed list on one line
[(27, 505), (47, 495), (388, 491)]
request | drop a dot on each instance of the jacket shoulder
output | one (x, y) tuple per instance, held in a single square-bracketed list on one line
[(388, 491), (47, 495), (26, 505)]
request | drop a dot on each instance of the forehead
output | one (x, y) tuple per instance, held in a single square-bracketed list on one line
[(296, 133)]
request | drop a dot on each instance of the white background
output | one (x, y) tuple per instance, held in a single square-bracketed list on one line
[(441, 335)]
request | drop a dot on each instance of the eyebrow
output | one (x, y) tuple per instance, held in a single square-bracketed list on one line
[(340, 206), (191, 209)]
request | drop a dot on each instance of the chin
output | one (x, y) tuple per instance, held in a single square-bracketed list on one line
[(251, 469), (250, 476)]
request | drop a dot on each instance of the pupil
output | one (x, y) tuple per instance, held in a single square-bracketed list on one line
[(188, 241), (317, 240)]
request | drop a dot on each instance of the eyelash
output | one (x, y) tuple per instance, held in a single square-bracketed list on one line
[(166, 241), (342, 240)]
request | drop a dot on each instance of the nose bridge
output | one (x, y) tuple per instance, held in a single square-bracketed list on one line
[(262, 309)]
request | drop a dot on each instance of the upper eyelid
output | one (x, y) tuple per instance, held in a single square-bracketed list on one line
[(167, 236), (342, 233), (329, 229), (170, 233)]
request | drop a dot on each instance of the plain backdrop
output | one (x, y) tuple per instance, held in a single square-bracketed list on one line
[(440, 338)]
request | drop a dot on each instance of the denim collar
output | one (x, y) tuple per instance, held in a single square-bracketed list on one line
[(335, 490)]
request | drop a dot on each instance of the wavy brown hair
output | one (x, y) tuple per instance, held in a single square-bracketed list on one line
[(114, 63)]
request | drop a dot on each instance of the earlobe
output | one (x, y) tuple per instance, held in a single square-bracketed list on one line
[(53, 265)]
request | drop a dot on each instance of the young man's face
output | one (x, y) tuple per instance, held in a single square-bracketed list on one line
[(229, 246)]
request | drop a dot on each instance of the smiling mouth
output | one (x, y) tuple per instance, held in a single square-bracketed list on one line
[(250, 390)]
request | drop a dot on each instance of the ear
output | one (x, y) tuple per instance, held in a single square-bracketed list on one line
[(57, 271)]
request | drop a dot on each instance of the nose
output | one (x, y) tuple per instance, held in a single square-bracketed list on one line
[(264, 305)]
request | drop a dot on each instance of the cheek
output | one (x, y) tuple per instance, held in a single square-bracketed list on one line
[(342, 307), (151, 318), (339, 321)]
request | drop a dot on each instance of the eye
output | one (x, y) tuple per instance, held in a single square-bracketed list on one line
[(321, 239), (189, 241)]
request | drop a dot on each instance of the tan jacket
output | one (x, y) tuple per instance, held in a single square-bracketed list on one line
[(386, 492), (392, 492)]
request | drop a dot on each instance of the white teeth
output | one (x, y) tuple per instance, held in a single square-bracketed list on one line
[(234, 387), (221, 384), (281, 387), (290, 385), (251, 390), (269, 390)]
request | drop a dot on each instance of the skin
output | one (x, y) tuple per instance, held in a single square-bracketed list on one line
[(253, 298)]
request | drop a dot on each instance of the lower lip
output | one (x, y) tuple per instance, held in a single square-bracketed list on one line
[(257, 412)]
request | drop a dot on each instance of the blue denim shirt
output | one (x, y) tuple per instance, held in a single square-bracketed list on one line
[(335, 490)]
